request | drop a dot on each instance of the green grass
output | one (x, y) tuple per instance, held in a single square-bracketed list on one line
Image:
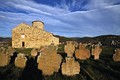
[(26, 51), (60, 48)]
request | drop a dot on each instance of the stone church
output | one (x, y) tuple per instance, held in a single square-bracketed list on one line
[(26, 36)]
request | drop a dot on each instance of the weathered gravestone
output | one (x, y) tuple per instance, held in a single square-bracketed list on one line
[(34, 52), (82, 53), (10, 51), (69, 48), (48, 60), (116, 56), (4, 57), (4, 60), (20, 60), (70, 67), (96, 51)]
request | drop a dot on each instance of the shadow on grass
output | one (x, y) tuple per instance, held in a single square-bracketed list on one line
[(31, 72)]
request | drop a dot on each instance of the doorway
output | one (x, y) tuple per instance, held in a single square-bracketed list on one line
[(23, 44)]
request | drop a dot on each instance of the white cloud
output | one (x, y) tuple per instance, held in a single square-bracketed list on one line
[(96, 21), (30, 6), (97, 4)]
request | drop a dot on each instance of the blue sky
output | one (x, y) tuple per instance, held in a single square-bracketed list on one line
[(70, 18)]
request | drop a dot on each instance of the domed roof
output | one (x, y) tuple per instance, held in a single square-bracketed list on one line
[(37, 21)]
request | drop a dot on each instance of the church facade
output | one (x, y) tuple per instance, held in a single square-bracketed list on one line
[(26, 36)]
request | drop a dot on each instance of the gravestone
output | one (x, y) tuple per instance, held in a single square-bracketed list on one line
[(20, 60), (116, 56), (96, 51), (4, 59), (82, 53), (10, 51), (69, 48), (70, 67), (48, 60), (34, 52), (2, 50)]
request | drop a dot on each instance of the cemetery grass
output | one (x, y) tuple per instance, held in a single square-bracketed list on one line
[(103, 69)]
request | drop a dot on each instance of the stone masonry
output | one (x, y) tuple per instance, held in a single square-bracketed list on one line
[(26, 36)]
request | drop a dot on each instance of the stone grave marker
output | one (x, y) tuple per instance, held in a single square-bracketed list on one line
[(70, 67), (69, 48), (116, 56), (20, 60), (82, 53), (49, 61), (96, 51)]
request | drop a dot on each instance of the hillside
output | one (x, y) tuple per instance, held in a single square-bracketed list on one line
[(104, 39), (5, 39), (97, 38)]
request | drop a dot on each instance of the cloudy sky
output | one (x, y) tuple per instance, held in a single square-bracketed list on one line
[(70, 18)]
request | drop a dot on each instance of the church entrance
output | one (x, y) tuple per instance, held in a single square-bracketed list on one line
[(23, 44)]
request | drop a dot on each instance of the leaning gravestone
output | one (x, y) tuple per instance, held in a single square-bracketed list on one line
[(116, 56), (70, 67), (82, 53), (49, 61), (96, 51), (69, 48), (20, 60)]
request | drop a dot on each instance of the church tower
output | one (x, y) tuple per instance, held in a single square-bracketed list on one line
[(38, 24)]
